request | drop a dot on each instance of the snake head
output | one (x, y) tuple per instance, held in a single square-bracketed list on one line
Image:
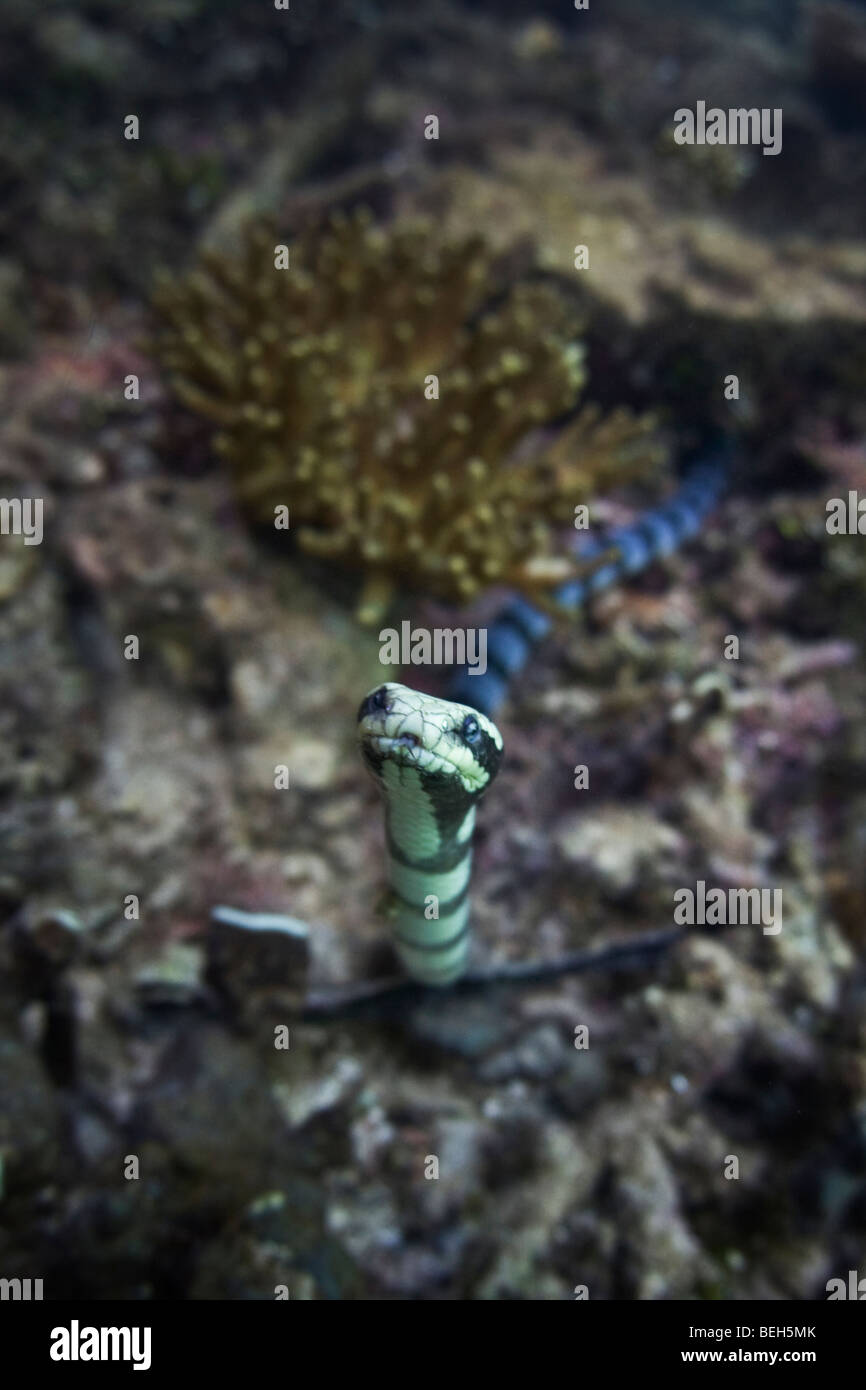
[(451, 745)]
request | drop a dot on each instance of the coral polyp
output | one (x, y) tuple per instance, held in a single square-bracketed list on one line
[(377, 383)]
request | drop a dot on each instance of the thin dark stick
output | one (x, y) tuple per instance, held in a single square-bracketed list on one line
[(330, 1002)]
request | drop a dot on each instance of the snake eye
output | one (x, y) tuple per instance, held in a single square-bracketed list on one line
[(471, 729)]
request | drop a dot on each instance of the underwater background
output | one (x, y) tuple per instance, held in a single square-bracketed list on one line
[(189, 1110)]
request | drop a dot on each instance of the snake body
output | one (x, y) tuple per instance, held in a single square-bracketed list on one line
[(658, 533), (432, 760)]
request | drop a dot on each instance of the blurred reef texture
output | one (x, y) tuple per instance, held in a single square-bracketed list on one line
[(314, 378), (141, 1030)]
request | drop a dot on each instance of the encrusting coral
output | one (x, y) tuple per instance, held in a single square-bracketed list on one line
[(362, 379)]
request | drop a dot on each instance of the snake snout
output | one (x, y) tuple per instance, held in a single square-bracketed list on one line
[(377, 700)]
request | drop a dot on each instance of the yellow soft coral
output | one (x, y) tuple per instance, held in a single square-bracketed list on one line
[(367, 386)]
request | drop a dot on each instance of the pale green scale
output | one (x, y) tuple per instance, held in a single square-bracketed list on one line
[(416, 884), (445, 966), (411, 818)]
